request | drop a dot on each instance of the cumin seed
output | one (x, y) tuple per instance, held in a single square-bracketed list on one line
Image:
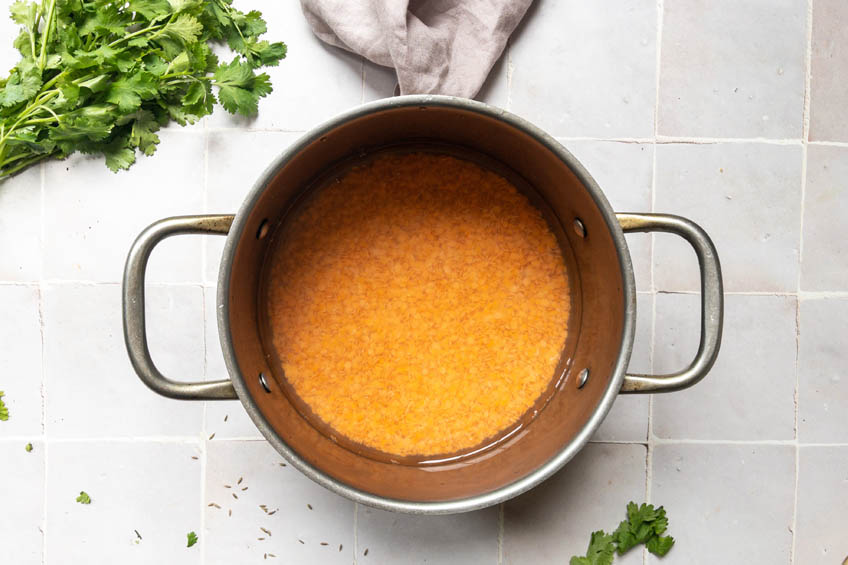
[(212, 436)]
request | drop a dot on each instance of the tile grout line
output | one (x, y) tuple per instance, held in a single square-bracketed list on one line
[(510, 68), (361, 79), (804, 151), (203, 268), (501, 509), (42, 328), (355, 530), (202, 444), (649, 455)]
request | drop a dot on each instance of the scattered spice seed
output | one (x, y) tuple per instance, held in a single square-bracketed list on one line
[(282, 464), (226, 416), (227, 486), (229, 512), (235, 496), (272, 512), (137, 534), (240, 480), (366, 551), (266, 556), (261, 539), (212, 436), (340, 548), (214, 505), (324, 543), (271, 555), (301, 541), (244, 488), (309, 506), (194, 457), (264, 530)]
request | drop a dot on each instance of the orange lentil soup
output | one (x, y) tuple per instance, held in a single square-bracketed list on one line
[(418, 305)]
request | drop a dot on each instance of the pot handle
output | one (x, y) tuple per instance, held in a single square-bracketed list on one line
[(135, 332), (712, 301)]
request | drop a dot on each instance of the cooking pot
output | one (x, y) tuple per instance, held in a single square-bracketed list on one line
[(591, 372)]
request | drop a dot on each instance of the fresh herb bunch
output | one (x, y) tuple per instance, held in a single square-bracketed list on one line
[(644, 525), (102, 76)]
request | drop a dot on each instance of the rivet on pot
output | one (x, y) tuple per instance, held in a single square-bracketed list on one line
[(582, 377), (579, 228), (263, 229), (264, 382)]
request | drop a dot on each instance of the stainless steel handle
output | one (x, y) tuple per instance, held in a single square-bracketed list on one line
[(712, 301), (135, 331)]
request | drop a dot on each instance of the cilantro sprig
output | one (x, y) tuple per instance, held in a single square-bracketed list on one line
[(644, 525), (4, 411), (191, 539), (102, 76), (83, 498)]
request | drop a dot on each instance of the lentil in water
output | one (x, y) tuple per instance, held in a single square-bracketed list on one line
[(419, 305)]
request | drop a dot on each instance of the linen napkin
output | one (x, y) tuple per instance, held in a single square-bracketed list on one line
[(435, 46)]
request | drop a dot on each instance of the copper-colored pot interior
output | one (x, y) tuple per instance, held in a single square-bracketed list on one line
[(595, 326)]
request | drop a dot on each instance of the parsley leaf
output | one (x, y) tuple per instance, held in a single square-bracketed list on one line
[(101, 77), (28, 448), (83, 498), (4, 412), (192, 539)]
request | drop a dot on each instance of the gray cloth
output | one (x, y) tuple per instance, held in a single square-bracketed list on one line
[(436, 46)]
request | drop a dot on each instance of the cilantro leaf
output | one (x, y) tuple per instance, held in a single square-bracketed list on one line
[(28, 448), (128, 92), (4, 412), (83, 498), (119, 155), (599, 552), (644, 525), (240, 88), (660, 545), (22, 85), (143, 133), (184, 28), (192, 539)]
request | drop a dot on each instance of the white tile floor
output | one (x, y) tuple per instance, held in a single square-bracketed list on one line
[(732, 113)]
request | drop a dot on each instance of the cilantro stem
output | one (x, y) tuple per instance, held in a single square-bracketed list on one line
[(137, 33), (24, 164), (45, 37)]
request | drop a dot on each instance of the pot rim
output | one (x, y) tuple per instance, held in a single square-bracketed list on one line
[(505, 492)]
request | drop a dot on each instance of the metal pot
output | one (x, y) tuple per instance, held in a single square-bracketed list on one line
[(594, 362)]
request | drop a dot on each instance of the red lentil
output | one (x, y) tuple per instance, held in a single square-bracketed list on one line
[(419, 304)]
